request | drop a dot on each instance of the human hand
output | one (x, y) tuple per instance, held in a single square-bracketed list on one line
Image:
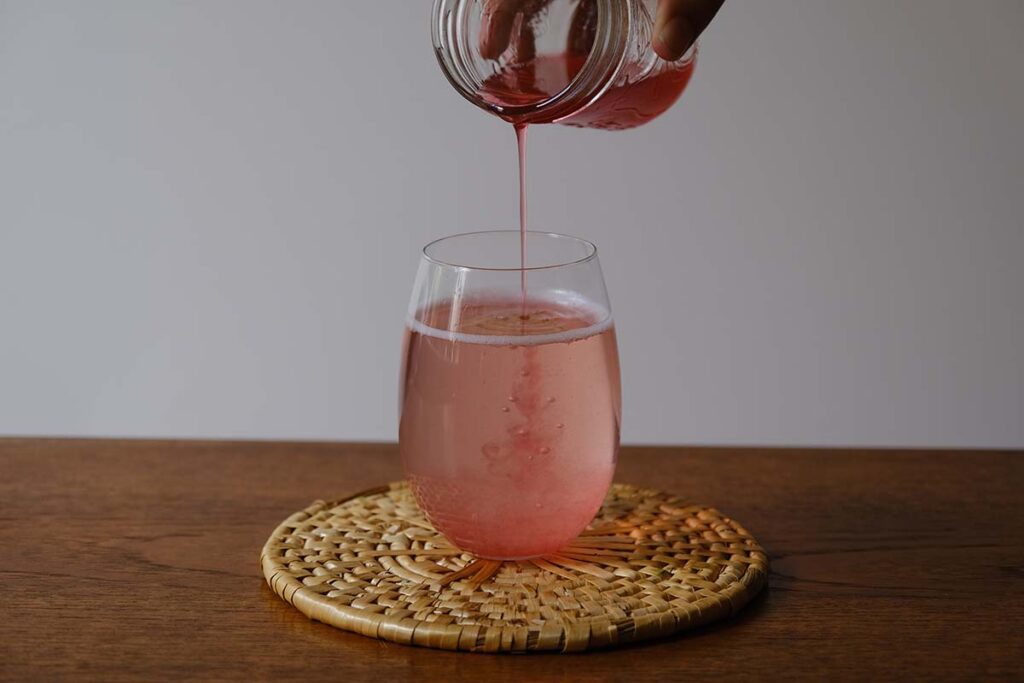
[(676, 26)]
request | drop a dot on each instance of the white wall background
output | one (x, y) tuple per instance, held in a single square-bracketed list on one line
[(210, 215)]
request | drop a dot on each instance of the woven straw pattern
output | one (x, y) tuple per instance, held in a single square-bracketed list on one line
[(651, 564)]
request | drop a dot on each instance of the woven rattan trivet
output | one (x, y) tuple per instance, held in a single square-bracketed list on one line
[(650, 564)]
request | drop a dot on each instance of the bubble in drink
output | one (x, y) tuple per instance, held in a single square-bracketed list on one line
[(473, 469)]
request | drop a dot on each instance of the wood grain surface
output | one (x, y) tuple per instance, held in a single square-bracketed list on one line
[(139, 560)]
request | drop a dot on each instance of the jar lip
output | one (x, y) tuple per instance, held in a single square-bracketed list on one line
[(586, 86), (589, 247)]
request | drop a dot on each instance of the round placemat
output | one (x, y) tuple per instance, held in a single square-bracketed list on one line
[(650, 564)]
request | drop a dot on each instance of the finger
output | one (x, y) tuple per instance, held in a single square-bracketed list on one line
[(499, 21), (678, 24), (583, 28), (496, 26), (526, 44)]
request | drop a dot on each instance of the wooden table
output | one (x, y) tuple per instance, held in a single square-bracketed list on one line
[(138, 560)]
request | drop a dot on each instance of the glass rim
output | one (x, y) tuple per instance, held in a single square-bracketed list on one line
[(587, 244)]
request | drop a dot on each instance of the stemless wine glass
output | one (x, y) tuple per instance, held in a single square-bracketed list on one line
[(510, 401)]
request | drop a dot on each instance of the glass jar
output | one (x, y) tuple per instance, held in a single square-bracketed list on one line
[(586, 63)]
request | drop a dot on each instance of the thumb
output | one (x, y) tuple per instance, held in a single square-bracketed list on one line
[(678, 24)]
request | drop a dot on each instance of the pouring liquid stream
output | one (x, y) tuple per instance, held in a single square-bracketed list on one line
[(520, 129)]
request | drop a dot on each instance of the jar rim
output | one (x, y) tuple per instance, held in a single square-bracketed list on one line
[(600, 69)]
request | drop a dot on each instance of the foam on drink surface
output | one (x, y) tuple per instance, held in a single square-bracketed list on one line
[(511, 321)]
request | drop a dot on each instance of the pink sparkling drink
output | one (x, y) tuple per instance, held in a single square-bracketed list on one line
[(510, 412)]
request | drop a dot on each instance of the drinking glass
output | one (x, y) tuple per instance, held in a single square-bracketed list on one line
[(510, 398)]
